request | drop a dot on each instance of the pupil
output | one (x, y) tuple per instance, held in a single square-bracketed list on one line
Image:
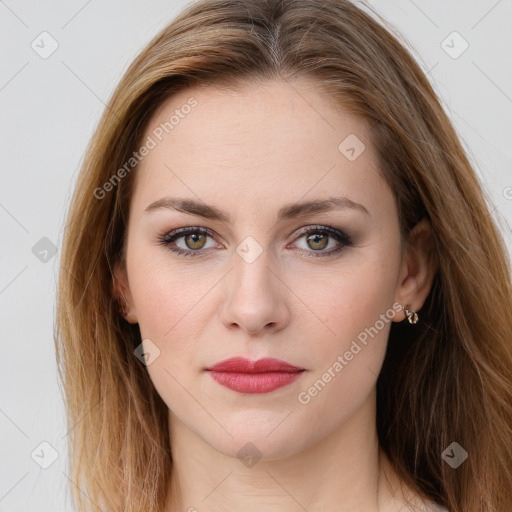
[(318, 238), (196, 240)]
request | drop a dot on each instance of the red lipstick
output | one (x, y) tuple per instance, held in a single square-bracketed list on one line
[(246, 376)]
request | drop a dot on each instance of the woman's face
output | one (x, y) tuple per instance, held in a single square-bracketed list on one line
[(257, 284)]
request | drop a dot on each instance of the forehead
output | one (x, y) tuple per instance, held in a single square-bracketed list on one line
[(297, 109), (263, 139)]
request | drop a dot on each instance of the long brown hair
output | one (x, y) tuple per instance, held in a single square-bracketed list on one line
[(447, 380)]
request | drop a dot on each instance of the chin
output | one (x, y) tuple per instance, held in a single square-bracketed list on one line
[(250, 448), (258, 436)]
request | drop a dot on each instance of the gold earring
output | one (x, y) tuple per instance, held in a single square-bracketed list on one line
[(122, 308), (412, 316)]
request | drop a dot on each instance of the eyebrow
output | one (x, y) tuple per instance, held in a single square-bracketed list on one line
[(289, 211)]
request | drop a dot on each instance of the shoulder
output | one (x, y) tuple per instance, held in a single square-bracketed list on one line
[(422, 506), (404, 498), (432, 507)]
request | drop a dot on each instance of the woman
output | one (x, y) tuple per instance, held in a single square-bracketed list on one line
[(281, 287)]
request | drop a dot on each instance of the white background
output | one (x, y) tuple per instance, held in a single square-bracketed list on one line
[(49, 108)]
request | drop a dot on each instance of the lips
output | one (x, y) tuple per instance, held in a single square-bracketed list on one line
[(265, 365), (262, 376)]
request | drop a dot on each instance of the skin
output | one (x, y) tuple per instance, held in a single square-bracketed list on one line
[(249, 153)]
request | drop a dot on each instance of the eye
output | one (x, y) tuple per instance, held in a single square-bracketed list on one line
[(194, 240), (316, 239)]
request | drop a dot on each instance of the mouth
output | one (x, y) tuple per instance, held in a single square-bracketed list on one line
[(261, 376)]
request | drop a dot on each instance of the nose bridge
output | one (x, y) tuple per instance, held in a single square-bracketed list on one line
[(252, 261), (255, 295), (252, 274)]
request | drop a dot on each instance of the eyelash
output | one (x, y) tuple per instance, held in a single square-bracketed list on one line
[(339, 236)]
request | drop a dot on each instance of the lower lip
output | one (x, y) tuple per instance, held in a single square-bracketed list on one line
[(255, 382)]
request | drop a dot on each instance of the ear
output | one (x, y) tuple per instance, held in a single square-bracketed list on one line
[(121, 291), (418, 267)]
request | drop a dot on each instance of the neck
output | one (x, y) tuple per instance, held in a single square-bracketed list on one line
[(344, 471)]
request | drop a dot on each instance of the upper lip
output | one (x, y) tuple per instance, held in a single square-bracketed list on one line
[(243, 365)]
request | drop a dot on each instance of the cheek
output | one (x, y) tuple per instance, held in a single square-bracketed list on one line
[(350, 299), (348, 357), (170, 313), (167, 299), (357, 334), (173, 310), (356, 312)]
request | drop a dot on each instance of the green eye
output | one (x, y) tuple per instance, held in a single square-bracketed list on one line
[(317, 239)]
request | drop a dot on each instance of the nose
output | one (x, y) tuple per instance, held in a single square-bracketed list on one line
[(256, 298)]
